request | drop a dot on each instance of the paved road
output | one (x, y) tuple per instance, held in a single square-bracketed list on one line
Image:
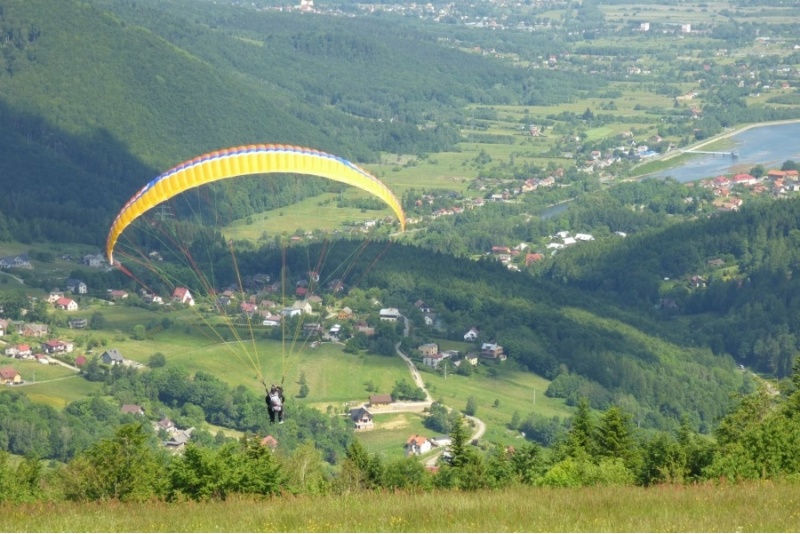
[(480, 426)]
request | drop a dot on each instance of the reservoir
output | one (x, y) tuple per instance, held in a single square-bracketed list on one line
[(768, 145)]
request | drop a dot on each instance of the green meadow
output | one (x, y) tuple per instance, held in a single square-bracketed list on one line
[(391, 432), (747, 507), (515, 391)]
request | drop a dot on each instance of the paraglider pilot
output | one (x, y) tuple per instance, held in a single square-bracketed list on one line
[(275, 401)]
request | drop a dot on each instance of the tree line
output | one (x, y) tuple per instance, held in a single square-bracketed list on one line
[(757, 440)]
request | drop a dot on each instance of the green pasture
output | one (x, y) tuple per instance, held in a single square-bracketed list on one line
[(60, 393), (391, 433), (28, 368), (514, 390), (332, 375), (8, 282), (443, 170), (307, 215)]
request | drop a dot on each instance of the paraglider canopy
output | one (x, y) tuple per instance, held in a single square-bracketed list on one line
[(245, 160)]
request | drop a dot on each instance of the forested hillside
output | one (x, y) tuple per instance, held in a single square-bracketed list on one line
[(727, 280), (105, 100)]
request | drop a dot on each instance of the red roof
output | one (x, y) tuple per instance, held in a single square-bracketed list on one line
[(64, 302), (417, 440), (180, 292), (8, 373)]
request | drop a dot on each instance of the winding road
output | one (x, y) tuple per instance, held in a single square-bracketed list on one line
[(420, 406)]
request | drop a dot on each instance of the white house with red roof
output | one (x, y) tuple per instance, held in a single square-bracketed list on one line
[(417, 444), (182, 295), (21, 351), (744, 179), (117, 294), (66, 304)]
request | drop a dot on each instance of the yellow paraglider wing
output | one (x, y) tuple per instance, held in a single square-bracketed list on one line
[(240, 161)]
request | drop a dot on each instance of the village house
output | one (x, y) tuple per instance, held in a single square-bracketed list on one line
[(428, 349), (345, 313), (364, 328), (530, 259), (178, 439), (19, 261), (472, 334), (291, 312), (94, 260), (383, 399), (76, 286), (433, 360), (55, 346), (362, 419), (132, 409), (492, 351), (34, 330), (165, 424), (312, 329), (248, 309), (3, 327), (271, 320), (421, 306), (21, 351), (54, 295), (182, 295), (112, 357), (9, 376), (390, 314), (775, 174), (117, 294), (269, 441), (150, 298), (302, 306), (469, 359), (78, 323), (66, 304), (417, 444), (743, 179)]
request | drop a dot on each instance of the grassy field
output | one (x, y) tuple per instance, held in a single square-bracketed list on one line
[(513, 389), (755, 507), (60, 393), (391, 432)]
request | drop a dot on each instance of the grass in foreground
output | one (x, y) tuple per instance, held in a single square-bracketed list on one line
[(755, 507)]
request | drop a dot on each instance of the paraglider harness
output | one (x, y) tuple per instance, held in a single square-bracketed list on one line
[(274, 400)]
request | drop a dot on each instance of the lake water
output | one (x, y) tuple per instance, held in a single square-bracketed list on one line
[(769, 146)]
